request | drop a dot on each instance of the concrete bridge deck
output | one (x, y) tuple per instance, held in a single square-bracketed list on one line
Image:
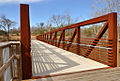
[(50, 60), (112, 74)]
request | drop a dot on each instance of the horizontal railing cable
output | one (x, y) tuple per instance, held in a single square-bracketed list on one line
[(79, 44)]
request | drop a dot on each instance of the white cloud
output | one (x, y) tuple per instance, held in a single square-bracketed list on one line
[(19, 1)]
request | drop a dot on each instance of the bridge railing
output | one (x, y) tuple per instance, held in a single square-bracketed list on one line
[(10, 61), (102, 48)]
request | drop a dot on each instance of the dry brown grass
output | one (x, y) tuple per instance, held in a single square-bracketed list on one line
[(18, 37), (3, 38), (13, 38), (33, 37)]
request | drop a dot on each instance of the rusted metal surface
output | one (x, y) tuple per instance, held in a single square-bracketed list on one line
[(91, 21), (54, 38), (25, 41), (112, 36), (50, 38), (78, 39), (60, 38), (63, 39), (100, 49), (71, 40), (100, 34)]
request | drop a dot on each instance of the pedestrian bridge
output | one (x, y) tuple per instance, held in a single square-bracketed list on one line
[(57, 53), (50, 60)]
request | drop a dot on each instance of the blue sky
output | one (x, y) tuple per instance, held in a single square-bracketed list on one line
[(42, 10)]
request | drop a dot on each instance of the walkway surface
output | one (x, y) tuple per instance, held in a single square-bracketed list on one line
[(49, 60), (98, 75)]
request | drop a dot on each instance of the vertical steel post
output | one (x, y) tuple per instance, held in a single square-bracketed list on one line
[(55, 39), (25, 41), (112, 35), (50, 38), (78, 39), (47, 37), (63, 39), (43, 37)]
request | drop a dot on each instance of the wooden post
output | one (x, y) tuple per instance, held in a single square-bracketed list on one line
[(17, 48), (19, 68), (112, 35), (1, 63), (25, 41), (78, 39), (11, 68)]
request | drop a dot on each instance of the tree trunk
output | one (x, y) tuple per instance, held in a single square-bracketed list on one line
[(8, 34)]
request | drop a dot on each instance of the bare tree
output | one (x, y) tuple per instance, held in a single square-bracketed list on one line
[(68, 19), (57, 20), (6, 24), (39, 28), (62, 20), (102, 7)]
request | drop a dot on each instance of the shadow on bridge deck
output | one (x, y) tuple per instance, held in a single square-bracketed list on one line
[(49, 60)]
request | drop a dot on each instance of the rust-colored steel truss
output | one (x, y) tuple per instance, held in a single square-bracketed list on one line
[(25, 42), (76, 44)]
